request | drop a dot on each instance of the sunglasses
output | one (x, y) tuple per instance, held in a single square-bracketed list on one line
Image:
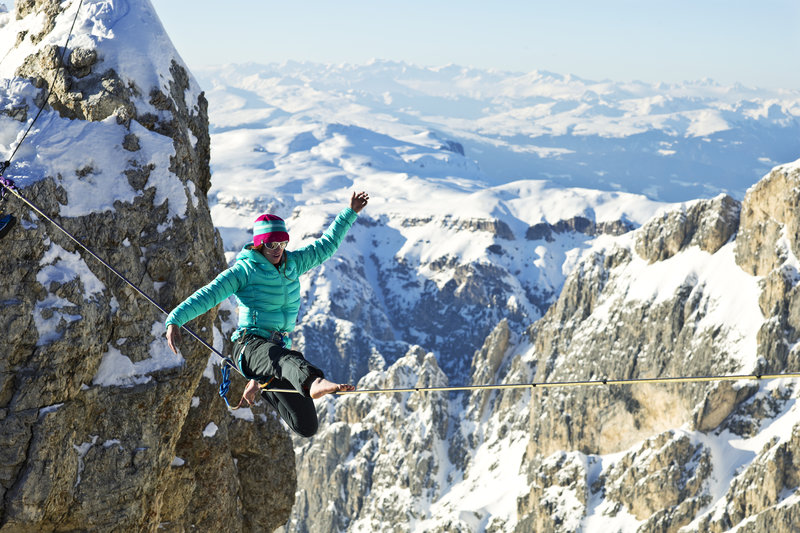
[(276, 245)]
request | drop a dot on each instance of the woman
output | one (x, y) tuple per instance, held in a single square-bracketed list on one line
[(264, 280)]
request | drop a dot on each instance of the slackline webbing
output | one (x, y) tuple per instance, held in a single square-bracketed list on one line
[(584, 383), (228, 363)]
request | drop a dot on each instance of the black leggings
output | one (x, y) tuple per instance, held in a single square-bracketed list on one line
[(264, 360)]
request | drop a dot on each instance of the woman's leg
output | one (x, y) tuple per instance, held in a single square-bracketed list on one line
[(263, 360), (296, 410)]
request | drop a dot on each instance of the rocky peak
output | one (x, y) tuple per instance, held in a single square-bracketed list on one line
[(665, 480), (102, 427), (770, 226), (767, 246), (389, 439), (577, 224), (708, 224)]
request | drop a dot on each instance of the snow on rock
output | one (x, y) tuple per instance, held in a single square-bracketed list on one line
[(647, 457), (119, 157)]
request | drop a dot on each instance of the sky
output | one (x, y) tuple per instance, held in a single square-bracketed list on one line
[(755, 43), (730, 41)]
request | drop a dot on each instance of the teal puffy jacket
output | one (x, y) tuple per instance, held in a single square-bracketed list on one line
[(268, 297)]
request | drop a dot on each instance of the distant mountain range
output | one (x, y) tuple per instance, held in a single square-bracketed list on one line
[(487, 186), (671, 142)]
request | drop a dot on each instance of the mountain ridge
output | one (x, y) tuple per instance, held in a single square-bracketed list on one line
[(632, 458)]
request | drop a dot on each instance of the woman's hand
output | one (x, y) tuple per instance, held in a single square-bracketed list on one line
[(173, 337), (358, 201)]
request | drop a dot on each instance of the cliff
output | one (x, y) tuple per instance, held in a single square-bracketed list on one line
[(102, 427), (704, 288)]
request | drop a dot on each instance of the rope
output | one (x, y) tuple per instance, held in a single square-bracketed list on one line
[(225, 384), (8, 185), (566, 384)]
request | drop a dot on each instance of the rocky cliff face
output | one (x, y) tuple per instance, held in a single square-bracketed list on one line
[(705, 288), (388, 289), (102, 428)]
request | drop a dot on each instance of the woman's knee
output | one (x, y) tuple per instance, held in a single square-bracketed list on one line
[(306, 427)]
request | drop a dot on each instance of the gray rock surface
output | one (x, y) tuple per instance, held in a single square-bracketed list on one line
[(648, 458), (77, 455)]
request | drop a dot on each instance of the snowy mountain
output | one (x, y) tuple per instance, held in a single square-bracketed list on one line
[(672, 142), (554, 282), (521, 227)]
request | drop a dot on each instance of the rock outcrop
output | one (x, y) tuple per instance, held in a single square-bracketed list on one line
[(706, 288), (708, 224), (546, 231), (102, 428), (667, 482)]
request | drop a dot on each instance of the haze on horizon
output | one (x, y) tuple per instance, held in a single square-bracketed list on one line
[(734, 41)]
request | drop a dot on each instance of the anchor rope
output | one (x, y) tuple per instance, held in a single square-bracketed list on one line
[(8, 185)]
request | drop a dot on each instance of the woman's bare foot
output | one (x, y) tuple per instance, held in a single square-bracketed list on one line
[(320, 387)]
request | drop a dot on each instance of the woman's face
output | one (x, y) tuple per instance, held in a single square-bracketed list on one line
[(273, 251)]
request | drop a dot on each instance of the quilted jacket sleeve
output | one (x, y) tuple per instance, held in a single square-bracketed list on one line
[(224, 285), (323, 248)]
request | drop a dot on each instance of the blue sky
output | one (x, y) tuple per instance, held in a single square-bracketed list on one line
[(756, 43), (753, 42)]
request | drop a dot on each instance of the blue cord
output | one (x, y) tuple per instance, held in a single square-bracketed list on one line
[(225, 383)]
